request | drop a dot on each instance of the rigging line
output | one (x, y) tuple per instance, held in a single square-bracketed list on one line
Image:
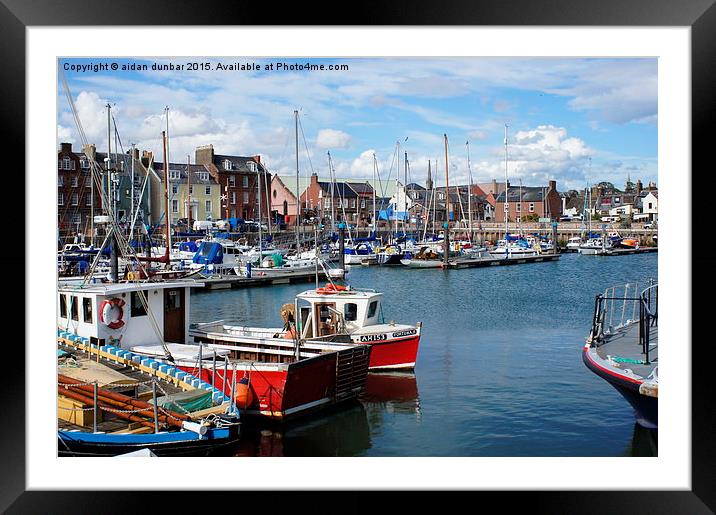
[(113, 224), (387, 181), (308, 154)]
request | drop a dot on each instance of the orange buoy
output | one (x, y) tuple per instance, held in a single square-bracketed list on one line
[(244, 397)]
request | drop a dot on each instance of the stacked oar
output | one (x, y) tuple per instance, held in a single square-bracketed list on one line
[(110, 401)]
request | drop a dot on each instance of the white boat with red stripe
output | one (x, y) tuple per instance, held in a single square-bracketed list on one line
[(333, 313)]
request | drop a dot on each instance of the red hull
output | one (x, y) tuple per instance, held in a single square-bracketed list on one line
[(394, 354), (281, 391)]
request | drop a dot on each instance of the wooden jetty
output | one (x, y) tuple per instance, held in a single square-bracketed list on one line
[(228, 282), (500, 261)]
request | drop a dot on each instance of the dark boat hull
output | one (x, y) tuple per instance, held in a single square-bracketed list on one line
[(646, 409), (184, 443)]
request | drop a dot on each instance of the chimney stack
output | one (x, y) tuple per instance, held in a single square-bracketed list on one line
[(90, 151), (553, 185), (204, 155), (66, 148)]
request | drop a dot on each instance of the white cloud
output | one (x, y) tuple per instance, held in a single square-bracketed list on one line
[(65, 134), (331, 138)]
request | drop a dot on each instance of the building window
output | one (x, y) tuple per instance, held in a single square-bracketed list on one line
[(252, 166), (208, 190), (519, 207), (74, 315), (350, 311), (87, 310), (137, 308), (88, 182), (191, 190), (75, 199), (74, 182), (67, 164), (175, 188), (208, 207), (233, 197), (649, 205), (362, 204), (507, 208), (84, 164), (245, 197), (63, 306), (60, 181), (88, 200), (245, 181), (353, 203), (285, 208), (532, 207), (204, 176), (327, 203), (175, 206), (77, 219), (60, 199), (174, 174), (227, 164), (232, 180)]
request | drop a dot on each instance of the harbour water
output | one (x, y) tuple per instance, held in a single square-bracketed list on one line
[(499, 370)]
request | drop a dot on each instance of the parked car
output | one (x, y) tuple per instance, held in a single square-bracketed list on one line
[(650, 225)]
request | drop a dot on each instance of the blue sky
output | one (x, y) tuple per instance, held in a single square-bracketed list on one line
[(562, 114)]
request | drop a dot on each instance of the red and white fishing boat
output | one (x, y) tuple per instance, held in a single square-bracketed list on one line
[(274, 377), (328, 315)]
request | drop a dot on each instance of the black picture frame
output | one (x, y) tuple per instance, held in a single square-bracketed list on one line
[(699, 15)]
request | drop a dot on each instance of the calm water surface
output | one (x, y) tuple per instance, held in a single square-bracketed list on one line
[(499, 369)]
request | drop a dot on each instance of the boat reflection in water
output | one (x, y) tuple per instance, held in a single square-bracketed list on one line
[(395, 391), (644, 442), (336, 432), (340, 431)]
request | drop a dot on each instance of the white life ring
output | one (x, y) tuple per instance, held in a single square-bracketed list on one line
[(111, 313)]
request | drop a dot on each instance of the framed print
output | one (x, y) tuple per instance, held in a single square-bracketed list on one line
[(363, 178)]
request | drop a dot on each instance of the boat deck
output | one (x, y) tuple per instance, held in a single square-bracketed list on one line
[(141, 389), (625, 350)]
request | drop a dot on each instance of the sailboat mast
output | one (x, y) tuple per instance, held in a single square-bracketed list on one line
[(397, 187), (258, 181), (405, 194), (333, 199), (131, 228), (188, 191), (106, 187), (372, 218), (298, 190), (469, 192), (166, 195), (521, 205), (507, 208), (447, 206)]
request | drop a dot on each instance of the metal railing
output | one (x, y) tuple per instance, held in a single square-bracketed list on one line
[(620, 306)]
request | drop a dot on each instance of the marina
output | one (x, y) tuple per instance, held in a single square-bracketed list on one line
[(486, 381), (256, 305)]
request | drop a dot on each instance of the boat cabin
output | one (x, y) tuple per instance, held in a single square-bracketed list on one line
[(116, 313), (325, 311)]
